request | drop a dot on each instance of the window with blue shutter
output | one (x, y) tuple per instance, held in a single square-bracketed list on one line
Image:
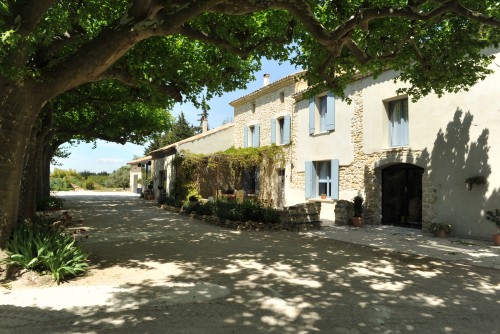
[(286, 130), (322, 113), (398, 123), (322, 177)]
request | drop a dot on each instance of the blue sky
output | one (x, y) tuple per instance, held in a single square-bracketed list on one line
[(110, 156)]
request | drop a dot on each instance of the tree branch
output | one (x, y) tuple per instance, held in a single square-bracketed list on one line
[(127, 79), (189, 32), (27, 14)]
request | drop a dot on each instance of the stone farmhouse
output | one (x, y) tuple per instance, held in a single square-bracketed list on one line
[(414, 162)]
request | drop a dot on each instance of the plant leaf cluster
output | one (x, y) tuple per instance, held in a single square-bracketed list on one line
[(41, 247)]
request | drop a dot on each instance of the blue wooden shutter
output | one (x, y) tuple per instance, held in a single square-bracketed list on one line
[(256, 136), (273, 131), (310, 179), (335, 178), (245, 136), (286, 129), (330, 112), (312, 112)]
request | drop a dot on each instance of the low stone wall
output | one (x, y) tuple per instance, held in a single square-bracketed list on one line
[(301, 216), (343, 212)]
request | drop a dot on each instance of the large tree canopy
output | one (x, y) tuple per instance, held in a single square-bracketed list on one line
[(175, 49)]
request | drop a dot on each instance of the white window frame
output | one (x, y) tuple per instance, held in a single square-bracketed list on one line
[(398, 124), (326, 180)]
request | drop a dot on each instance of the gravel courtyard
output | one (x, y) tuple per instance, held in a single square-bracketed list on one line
[(156, 272)]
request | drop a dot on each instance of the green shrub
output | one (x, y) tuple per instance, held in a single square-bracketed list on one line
[(90, 185), (41, 247), (207, 209), (170, 201), (248, 210), (228, 210), (57, 184)]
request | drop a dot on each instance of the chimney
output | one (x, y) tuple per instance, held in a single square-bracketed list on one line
[(266, 79), (204, 125)]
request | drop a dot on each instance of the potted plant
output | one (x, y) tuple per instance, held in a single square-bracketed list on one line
[(323, 196), (441, 230), (494, 217), (357, 220)]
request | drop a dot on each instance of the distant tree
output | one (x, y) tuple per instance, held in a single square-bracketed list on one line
[(180, 130), (86, 173), (120, 178), (204, 112)]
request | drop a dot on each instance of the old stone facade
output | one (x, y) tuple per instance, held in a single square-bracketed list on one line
[(262, 109)]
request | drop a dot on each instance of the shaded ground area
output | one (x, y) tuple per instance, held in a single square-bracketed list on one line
[(154, 271)]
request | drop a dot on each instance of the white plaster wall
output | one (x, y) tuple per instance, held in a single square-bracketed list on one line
[(455, 145), (135, 172), (324, 146), (218, 141)]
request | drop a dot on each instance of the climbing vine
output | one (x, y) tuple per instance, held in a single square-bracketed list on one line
[(201, 175)]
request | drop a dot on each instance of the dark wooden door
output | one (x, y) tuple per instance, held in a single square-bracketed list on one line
[(402, 195)]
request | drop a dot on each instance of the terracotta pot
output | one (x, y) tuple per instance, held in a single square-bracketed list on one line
[(442, 234), (357, 221), (496, 239)]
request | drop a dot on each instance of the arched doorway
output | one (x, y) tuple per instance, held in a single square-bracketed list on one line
[(402, 195)]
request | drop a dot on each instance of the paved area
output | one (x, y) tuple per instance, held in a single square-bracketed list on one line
[(412, 241), (156, 272)]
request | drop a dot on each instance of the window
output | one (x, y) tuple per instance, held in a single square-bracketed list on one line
[(251, 136), (398, 123), (280, 130), (282, 97), (322, 113), (322, 177), (251, 181)]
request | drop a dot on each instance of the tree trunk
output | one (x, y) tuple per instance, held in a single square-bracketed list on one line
[(18, 111), (34, 165), (44, 181)]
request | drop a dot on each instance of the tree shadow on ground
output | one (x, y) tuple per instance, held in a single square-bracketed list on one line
[(219, 280)]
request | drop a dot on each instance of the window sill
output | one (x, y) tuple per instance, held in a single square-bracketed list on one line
[(396, 148), (319, 134), (318, 199)]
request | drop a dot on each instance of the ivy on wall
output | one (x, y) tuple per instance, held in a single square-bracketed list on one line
[(201, 175)]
